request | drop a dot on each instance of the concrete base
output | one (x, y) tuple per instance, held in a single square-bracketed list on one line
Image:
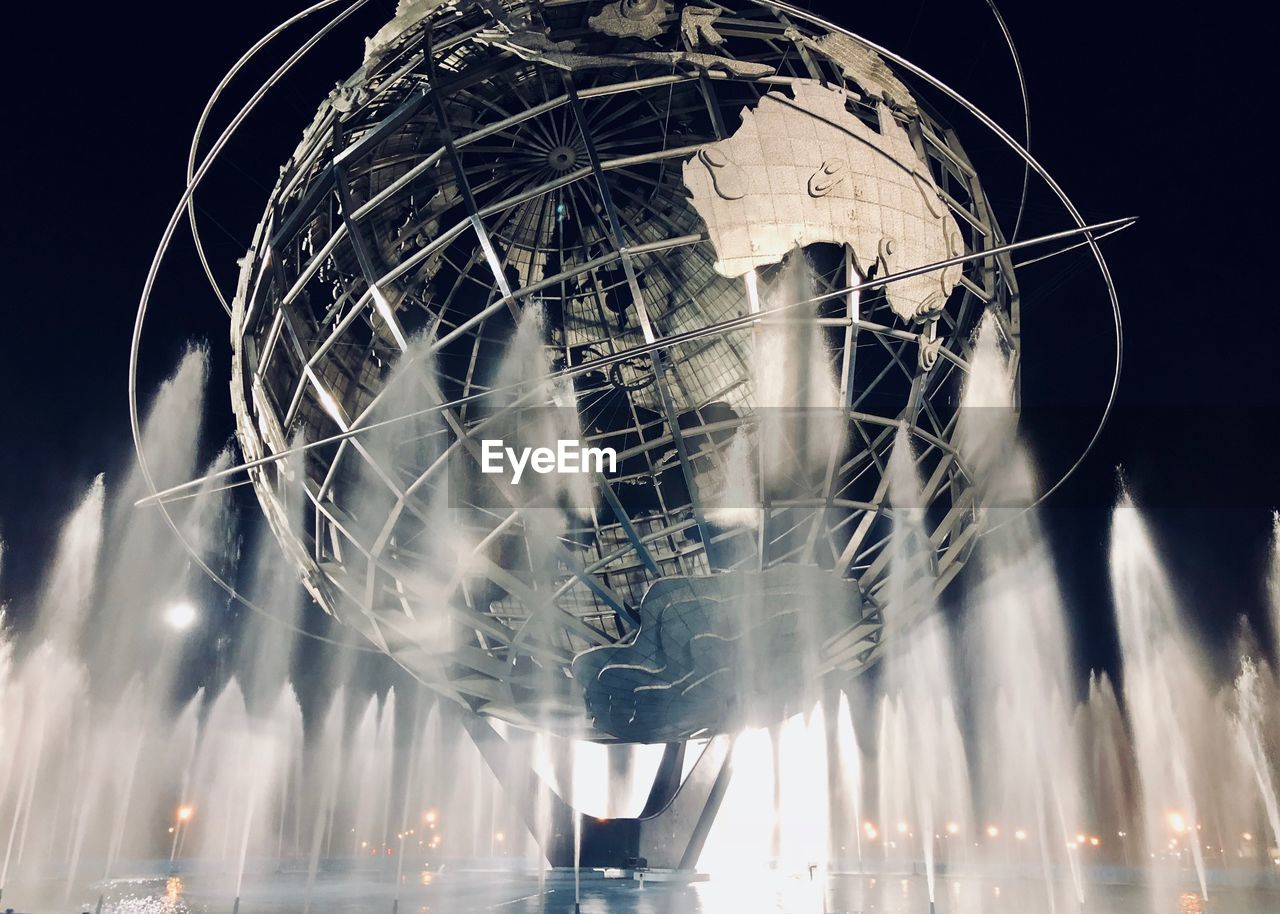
[(679, 876)]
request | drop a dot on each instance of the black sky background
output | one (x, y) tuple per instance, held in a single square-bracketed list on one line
[(1136, 110)]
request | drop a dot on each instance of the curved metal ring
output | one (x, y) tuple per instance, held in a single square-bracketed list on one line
[(166, 239), (195, 176), (1053, 185)]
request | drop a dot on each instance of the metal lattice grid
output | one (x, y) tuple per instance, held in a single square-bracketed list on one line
[(451, 184)]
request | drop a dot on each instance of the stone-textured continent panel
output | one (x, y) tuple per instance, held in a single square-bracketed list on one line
[(806, 169), (715, 653)]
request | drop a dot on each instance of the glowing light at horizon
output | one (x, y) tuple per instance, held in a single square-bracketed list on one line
[(741, 839)]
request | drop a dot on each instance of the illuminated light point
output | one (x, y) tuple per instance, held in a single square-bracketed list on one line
[(185, 813), (952, 828), (870, 829), (1079, 838), (180, 616), (500, 837), (902, 827), (993, 832), (1247, 836), (1177, 822), (1095, 841), (1020, 835), (429, 817)]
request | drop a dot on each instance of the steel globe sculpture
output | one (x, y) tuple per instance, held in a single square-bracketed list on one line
[(641, 225)]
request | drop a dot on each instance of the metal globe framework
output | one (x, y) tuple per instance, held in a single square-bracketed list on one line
[(488, 159)]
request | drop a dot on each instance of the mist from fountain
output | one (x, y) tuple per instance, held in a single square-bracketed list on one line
[(1106, 751), (116, 767), (849, 786), (923, 765), (1165, 686), (1249, 723), (966, 753), (1022, 680), (1058, 787)]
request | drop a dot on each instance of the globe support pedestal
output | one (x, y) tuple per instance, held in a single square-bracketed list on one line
[(670, 832)]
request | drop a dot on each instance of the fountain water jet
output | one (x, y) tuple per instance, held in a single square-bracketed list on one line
[(1163, 680), (253, 765), (920, 720), (1250, 739), (1029, 762)]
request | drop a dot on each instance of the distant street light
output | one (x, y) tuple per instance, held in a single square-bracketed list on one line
[(182, 817), (180, 616)]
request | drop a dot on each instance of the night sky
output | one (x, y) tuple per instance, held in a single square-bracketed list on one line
[(1136, 110)]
